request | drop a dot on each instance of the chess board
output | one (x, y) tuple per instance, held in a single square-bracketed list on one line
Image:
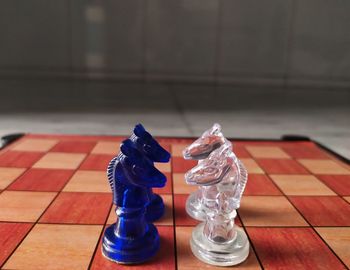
[(55, 203)]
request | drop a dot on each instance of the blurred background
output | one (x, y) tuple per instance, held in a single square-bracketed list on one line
[(260, 68)]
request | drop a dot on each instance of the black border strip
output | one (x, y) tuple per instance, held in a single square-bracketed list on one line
[(10, 138), (327, 149)]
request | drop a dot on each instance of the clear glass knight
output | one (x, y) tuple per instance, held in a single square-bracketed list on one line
[(221, 179)]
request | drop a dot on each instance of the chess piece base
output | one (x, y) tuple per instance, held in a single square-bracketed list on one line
[(155, 210), (130, 251), (194, 208), (220, 254)]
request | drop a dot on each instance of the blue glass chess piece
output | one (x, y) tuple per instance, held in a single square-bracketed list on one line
[(147, 145), (131, 239)]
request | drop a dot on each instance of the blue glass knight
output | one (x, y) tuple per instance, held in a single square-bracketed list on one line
[(147, 145), (132, 175)]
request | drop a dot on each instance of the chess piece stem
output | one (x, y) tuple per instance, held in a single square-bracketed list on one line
[(130, 223), (194, 206), (131, 239)]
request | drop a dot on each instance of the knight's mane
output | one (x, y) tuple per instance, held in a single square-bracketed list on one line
[(133, 137), (111, 170)]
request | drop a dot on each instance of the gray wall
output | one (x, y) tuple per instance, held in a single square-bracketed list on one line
[(267, 42)]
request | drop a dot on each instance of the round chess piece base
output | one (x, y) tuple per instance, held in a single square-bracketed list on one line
[(220, 254), (130, 251), (155, 210), (194, 208)]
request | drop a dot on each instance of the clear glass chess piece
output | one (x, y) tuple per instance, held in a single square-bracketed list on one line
[(199, 150), (218, 241)]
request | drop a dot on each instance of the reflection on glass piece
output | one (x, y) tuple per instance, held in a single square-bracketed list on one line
[(131, 175), (213, 169), (210, 140), (221, 178)]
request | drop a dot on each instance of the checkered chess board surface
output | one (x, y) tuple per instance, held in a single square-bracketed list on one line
[(55, 203)]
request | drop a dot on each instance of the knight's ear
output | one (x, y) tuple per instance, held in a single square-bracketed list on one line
[(127, 148), (215, 129), (139, 130)]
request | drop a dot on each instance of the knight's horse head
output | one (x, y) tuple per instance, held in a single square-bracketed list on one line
[(214, 169), (146, 144), (210, 140), (135, 169)]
